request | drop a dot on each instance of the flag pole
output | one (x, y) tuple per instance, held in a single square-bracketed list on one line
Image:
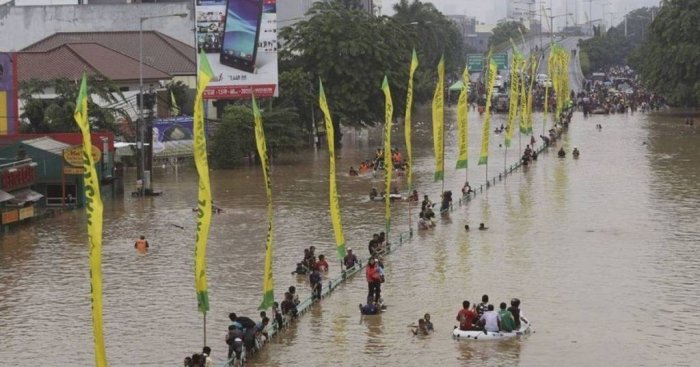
[(205, 329)]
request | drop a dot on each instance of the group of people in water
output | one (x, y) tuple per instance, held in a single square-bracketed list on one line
[(377, 163), (484, 317)]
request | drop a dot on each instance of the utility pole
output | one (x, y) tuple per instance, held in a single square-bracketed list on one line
[(590, 15)]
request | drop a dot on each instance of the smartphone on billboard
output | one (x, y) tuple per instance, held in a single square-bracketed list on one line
[(241, 32)]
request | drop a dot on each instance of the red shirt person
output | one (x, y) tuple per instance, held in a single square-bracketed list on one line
[(321, 264), (466, 317), (374, 280)]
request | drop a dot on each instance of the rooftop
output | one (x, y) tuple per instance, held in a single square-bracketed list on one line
[(72, 59), (159, 50)]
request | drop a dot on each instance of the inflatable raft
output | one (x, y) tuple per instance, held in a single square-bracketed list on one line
[(482, 335)]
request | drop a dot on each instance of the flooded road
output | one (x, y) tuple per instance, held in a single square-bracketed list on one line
[(602, 251)]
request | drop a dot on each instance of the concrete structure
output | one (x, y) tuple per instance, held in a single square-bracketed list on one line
[(520, 11), (479, 41), (292, 11), (21, 26)]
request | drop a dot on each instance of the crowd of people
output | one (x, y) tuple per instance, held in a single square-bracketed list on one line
[(619, 92), (484, 317)]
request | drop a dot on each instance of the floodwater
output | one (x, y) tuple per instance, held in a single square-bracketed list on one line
[(602, 251)]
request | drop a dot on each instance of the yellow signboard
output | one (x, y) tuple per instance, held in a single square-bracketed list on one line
[(73, 170), (74, 155), (25, 213), (10, 216)]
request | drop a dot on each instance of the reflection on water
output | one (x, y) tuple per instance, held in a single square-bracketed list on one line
[(601, 250)]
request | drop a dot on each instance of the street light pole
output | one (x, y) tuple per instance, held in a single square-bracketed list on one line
[(142, 124)]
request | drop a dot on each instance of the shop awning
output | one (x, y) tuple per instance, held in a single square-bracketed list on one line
[(25, 195), (5, 196)]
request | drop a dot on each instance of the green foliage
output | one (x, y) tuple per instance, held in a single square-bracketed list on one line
[(56, 114), (433, 35), (613, 48), (350, 51), (180, 91), (234, 137), (669, 60), (506, 31), (585, 62)]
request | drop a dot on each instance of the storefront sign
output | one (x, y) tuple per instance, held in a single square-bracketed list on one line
[(74, 155), (73, 170), (18, 177), (10, 216), (25, 213)]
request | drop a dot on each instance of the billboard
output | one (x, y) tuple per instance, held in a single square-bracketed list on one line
[(239, 38), (8, 94), (173, 137)]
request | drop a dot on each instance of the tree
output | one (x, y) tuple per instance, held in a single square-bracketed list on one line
[(506, 31), (56, 114), (669, 60), (433, 35), (613, 48), (350, 51), (234, 138)]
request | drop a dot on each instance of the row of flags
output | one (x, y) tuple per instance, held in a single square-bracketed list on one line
[(521, 99)]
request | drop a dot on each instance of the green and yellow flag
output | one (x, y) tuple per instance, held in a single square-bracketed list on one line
[(485, 133), (523, 101), (174, 109), (333, 190), (388, 165), (204, 205), (462, 121), (439, 122), (94, 209), (515, 82), (268, 283), (407, 119), (528, 117)]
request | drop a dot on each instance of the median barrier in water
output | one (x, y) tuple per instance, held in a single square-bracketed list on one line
[(333, 284)]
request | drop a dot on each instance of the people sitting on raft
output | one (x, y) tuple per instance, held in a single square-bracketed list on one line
[(414, 196), (353, 172), (482, 227), (373, 193), (490, 320), (561, 153), (575, 153)]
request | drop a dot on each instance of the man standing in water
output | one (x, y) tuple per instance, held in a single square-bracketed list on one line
[(374, 280), (141, 244)]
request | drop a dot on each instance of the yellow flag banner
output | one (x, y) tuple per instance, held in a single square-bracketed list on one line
[(93, 209), (558, 63), (528, 109), (268, 283), (439, 122), (407, 120), (523, 100), (462, 122), (485, 134), (515, 82), (333, 189), (204, 205), (388, 165), (546, 106)]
